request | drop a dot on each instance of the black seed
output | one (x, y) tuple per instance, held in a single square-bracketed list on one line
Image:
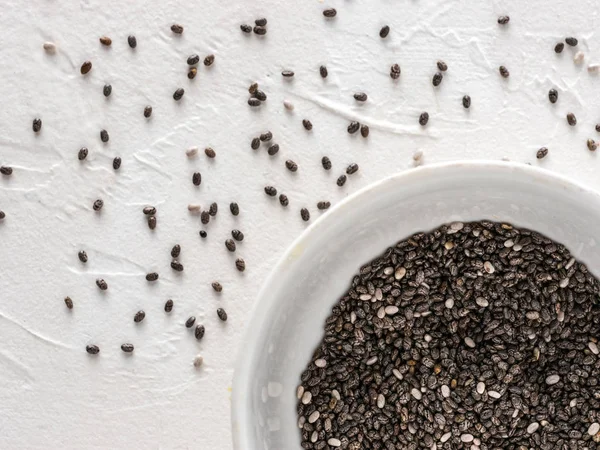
[(331, 12), (104, 136), (307, 124), (287, 73), (571, 41), (237, 235), (503, 71), (139, 316), (254, 102), (423, 119), (37, 125), (86, 67), (209, 152), (177, 29), (127, 348), (132, 41), (149, 210), (252, 88), (92, 349), (82, 154), (558, 48), (217, 286), (442, 66), (326, 162), (2, 215), (255, 143), (323, 71), (395, 71), (209, 60), (291, 165), (261, 31), (466, 101), (98, 204), (541, 153), (177, 266), (222, 314), (178, 94), (341, 180), (553, 95), (352, 168), (203, 234), (105, 40), (192, 73), (196, 178), (193, 60), (152, 222), (246, 28), (353, 127), (147, 111), (265, 137), (169, 306), (176, 251), (571, 119), (305, 214), (273, 149), (240, 264), (261, 22), (102, 285), (503, 20), (598, 127), (437, 79), (360, 97), (117, 163), (383, 33), (270, 191), (260, 95), (230, 245), (107, 90), (83, 257), (364, 131), (152, 276), (189, 323), (283, 200), (323, 205), (199, 332), (204, 217), (234, 208), (69, 302), (213, 209), (5, 170), (592, 145)]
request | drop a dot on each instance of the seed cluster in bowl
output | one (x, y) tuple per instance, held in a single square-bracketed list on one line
[(476, 336)]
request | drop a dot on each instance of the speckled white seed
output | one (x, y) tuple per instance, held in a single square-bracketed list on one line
[(533, 427), (50, 47), (336, 394), (488, 267), (365, 297), (299, 392), (198, 361), (445, 391), (314, 436), (445, 437), (449, 303), (593, 429), (288, 105), (397, 374), (552, 379), (416, 394), (509, 243), (314, 417), (578, 58), (494, 394), (372, 360), (391, 310), (193, 208), (191, 152), (400, 273), (334, 442), (380, 401), (352, 317), (320, 363), (470, 342), (563, 283), (306, 398), (482, 302), (593, 348), (466, 437), (480, 387)]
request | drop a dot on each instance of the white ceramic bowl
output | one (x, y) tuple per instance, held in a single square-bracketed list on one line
[(290, 312)]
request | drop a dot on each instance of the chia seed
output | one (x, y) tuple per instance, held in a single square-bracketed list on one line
[(571, 41), (383, 33), (326, 163)]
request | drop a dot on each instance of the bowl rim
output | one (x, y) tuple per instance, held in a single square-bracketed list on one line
[(246, 353)]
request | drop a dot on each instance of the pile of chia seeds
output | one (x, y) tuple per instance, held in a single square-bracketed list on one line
[(477, 336)]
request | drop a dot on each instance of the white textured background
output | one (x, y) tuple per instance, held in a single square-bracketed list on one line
[(54, 395)]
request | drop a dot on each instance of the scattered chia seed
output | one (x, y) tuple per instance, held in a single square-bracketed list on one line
[(82, 154), (331, 12), (261, 22), (177, 29), (558, 48), (360, 97), (326, 163), (305, 214), (237, 235), (353, 127), (191, 152), (437, 79), (5, 170), (192, 73), (423, 119), (383, 33), (102, 285), (442, 66), (86, 67), (352, 168), (578, 58), (204, 217), (209, 60), (287, 74), (152, 222), (217, 286), (598, 127), (240, 264), (83, 257), (177, 266), (198, 361), (147, 111), (246, 28), (127, 348), (341, 180), (288, 105), (37, 125), (230, 245), (261, 31), (255, 143), (541, 153), (270, 191), (213, 209), (571, 41), (105, 40), (104, 136), (503, 20), (291, 165), (571, 119), (260, 95), (139, 316), (176, 251), (553, 95), (92, 349), (266, 137), (152, 276), (203, 234), (107, 90), (189, 323), (503, 72), (273, 149), (222, 314), (69, 302), (199, 332), (395, 71), (193, 60), (466, 102), (210, 153), (50, 47), (178, 94), (98, 204), (149, 210), (2, 215), (169, 306), (307, 124), (196, 179), (364, 131), (323, 205), (283, 200), (132, 41), (254, 102), (592, 145), (323, 71), (234, 208), (116, 163)]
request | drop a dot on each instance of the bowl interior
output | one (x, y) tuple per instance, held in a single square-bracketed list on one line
[(290, 313)]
